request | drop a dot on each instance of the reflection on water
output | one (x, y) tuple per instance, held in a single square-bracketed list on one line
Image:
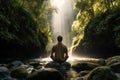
[(72, 59)]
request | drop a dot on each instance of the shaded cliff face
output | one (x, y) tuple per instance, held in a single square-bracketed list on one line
[(102, 35), (20, 35)]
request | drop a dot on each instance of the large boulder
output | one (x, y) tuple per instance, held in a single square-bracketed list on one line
[(17, 63), (115, 67), (112, 60), (83, 73), (5, 74), (65, 65), (101, 73), (19, 72), (46, 74), (84, 66)]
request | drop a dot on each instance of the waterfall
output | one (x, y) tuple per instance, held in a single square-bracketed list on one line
[(62, 20)]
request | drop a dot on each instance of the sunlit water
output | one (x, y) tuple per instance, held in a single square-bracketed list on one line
[(62, 19), (72, 59)]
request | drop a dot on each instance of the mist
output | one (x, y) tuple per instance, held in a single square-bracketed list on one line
[(62, 20)]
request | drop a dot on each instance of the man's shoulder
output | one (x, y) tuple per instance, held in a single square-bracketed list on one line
[(64, 45), (55, 45)]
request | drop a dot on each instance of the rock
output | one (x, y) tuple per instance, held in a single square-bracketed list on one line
[(52, 64), (112, 60), (118, 75), (5, 74), (101, 73), (35, 64), (15, 64), (19, 72), (46, 74), (80, 78), (67, 65), (84, 66), (63, 66), (101, 62), (83, 73), (115, 67)]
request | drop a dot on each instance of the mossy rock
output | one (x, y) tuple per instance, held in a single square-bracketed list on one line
[(112, 60), (5, 74), (101, 73), (115, 67), (46, 74), (63, 66), (101, 62), (83, 73), (84, 66), (19, 72)]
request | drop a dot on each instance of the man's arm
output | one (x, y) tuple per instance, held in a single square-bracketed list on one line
[(52, 52), (66, 52)]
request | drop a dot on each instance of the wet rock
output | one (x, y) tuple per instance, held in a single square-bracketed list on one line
[(5, 74), (118, 75), (84, 66), (52, 64), (112, 60), (64, 66), (35, 64), (83, 73), (101, 73), (46, 74), (80, 78), (101, 62), (115, 67), (67, 65), (15, 64), (3, 65), (19, 72)]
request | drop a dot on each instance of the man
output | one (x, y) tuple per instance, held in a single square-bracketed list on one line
[(59, 52)]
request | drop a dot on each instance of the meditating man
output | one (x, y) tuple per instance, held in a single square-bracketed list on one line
[(59, 52)]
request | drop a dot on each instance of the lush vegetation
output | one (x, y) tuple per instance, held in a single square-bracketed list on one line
[(24, 28), (97, 26)]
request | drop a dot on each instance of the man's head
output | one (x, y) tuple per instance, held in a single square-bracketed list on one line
[(59, 38)]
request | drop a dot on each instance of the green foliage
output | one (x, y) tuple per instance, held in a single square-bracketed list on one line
[(24, 23), (101, 31), (90, 11), (17, 24)]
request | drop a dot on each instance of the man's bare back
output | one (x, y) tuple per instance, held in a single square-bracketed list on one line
[(59, 51)]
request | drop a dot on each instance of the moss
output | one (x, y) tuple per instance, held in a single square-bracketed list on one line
[(112, 60), (101, 73), (84, 66), (19, 72)]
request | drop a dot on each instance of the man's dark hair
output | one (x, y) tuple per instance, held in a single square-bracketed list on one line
[(59, 38)]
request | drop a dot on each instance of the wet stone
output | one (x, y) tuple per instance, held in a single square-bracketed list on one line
[(63, 66), (46, 74), (5, 74)]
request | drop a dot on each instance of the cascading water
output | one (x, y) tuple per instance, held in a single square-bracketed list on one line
[(62, 20)]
